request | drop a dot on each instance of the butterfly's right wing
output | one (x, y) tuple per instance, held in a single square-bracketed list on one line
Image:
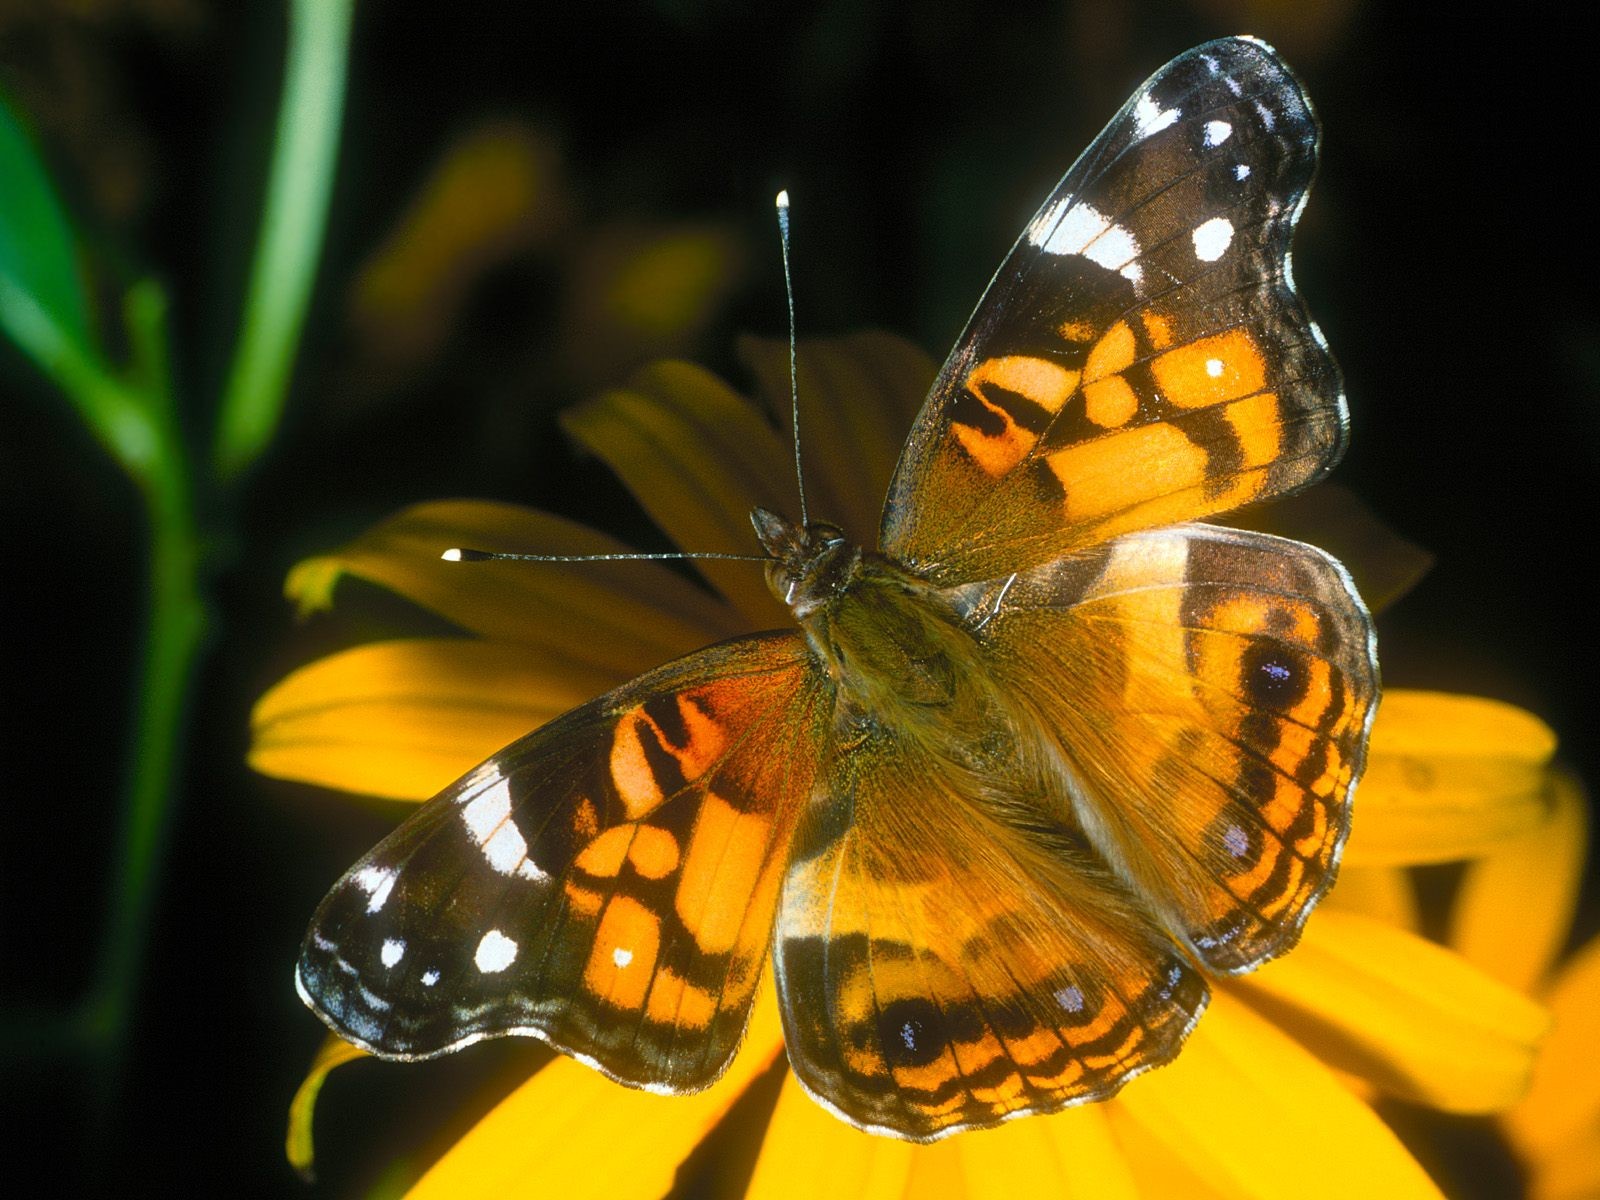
[(606, 883), (1141, 357)]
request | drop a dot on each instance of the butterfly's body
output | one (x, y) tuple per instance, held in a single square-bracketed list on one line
[(1029, 771)]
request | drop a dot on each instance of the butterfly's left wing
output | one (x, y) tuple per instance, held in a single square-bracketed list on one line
[(607, 883), (1141, 357)]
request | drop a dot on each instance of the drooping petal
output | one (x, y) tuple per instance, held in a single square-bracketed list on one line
[(297, 1143), (1384, 893), (629, 616), (1563, 1101), (1255, 1115), (401, 719), (1420, 1022), (1515, 906), (697, 456), (571, 1132), (1448, 777), (858, 397)]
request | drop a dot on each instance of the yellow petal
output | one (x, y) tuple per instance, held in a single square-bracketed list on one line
[(697, 456), (936, 1173), (571, 1132), (497, 190), (1418, 1021), (858, 397), (1515, 906), (402, 719), (334, 1052), (809, 1152), (1070, 1154), (626, 616), (1255, 1115), (1563, 1101), (1448, 777), (1570, 1171), (637, 293), (1383, 893)]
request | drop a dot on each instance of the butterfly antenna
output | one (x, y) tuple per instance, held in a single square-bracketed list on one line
[(794, 375), (463, 554)]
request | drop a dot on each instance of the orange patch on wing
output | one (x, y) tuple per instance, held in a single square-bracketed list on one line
[(722, 873), (603, 857), (1258, 425), (706, 740), (585, 821), (1113, 353), (583, 901), (622, 959), (1158, 327), (1077, 331), (676, 1001), (1110, 402), (631, 772), (1098, 480), (654, 853), (1037, 380), (1211, 370)]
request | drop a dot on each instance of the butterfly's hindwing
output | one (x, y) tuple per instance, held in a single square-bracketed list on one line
[(943, 964), (1211, 691), (606, 883), (1141, 357)]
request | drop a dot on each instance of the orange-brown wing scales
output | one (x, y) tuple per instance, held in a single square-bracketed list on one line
[(607, 884), (1142, 357), (940, 970), (1210, 691)]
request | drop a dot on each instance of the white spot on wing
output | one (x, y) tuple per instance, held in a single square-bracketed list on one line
[(1070, 226), (430, 977), (1241, 172), (1236, 840), (393, 951), (1149, 117), (1071, 999), (1211, 240), (376, 882), (1214, 367), (1217, 132), (496, 952), (621, 957), (487, 817)]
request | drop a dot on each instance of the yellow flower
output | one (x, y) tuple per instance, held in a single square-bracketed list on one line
[(1511, 919), (1271, 1095)]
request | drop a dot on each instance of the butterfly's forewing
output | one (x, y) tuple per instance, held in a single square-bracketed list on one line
[(1210, 691), (942, 966), (606, 883), (1141, 356)]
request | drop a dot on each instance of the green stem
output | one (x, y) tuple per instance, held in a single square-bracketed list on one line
[(175, 631), (292, 227)]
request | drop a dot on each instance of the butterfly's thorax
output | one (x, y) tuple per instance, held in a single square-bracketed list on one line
[(897, 651)]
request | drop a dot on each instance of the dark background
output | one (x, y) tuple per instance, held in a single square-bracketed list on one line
[(1447, 252)]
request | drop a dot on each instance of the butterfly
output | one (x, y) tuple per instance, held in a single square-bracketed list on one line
[(1026, 775)]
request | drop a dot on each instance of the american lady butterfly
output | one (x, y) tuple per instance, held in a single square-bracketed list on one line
[(1026, 774)]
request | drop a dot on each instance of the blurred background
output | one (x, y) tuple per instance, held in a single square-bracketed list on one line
[(531, 200)]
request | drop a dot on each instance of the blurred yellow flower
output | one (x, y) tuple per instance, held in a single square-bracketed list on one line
[(1272, 1094)]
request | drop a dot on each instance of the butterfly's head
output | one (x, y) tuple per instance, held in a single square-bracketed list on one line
[(810, 563)]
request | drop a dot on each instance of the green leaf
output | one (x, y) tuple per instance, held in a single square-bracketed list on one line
[(42, 301)]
